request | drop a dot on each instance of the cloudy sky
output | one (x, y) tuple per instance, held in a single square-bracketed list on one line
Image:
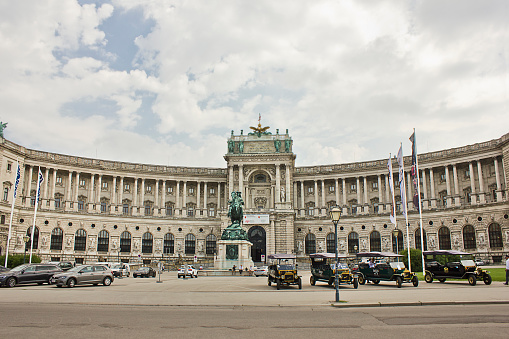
[(165, 81)]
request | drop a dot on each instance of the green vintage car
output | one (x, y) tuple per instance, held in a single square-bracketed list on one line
[(283, 270), (322, 269), (381, 267)]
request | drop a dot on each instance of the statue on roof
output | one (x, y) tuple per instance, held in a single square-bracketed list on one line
[(259, 130), (3, 125)]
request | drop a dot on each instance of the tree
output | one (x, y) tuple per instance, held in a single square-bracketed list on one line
[(415, 258), (17, 259)]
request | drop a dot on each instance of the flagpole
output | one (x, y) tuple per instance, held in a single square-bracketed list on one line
[(12, 211), (406, 206), (420, 205), (391, 186), (35, 214)]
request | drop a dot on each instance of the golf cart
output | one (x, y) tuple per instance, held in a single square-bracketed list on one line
[(322, 269), (381, 268), (283, 270), (449, 264)]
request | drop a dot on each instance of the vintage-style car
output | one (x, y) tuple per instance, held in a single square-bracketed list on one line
[(322, 269), (450, 264), (283, 270), (381, 267)]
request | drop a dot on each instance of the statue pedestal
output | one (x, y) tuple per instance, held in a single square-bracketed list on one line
[(233, 252)]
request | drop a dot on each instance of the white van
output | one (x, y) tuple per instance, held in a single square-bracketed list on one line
[(120, 269)]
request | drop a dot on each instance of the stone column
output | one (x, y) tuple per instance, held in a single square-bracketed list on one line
[(448, 184), (358, 189), (365, 190), (67, 202), (288, 188), (184, 198), (29, 186), (473, 195), (323, 205), (198, 199), (432, 189), (380, 195), (278, 184), (388, 198), (482, 197), (114, 191), (302, 204), (230, 185), (52, 192), (99, 187), (497, 178), (345, 208), (271, 246), (425, 203), (241, 180), (163, 195), (205, 200), (177, 199), (135, 193), (316, 198), (218, 196), (77, 185), (121, 192), (295, 202), (457, 201), (91, 198), (142, 200), (156, 196), (336, 191)]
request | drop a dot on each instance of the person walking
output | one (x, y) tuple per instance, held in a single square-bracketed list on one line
[(240, 269), (506, 269), (233, 270)]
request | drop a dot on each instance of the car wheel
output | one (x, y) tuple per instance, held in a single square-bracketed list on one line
[(312, 280), (269, 282), (487, 279), (11, 282), (399, 282), (428, 278), (134, 275), (59, 285), (442, 280), (107, 281), (71, 283), (331, 281), (39, 283), (278, 284), (300, 284), (415, 281), (376, 282), (361, 279), (472, 280), (355, 283)]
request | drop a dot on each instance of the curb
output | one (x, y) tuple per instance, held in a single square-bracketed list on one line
[(421, 303)]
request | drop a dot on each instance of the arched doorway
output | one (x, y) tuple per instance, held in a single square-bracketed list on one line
[(257, 237)]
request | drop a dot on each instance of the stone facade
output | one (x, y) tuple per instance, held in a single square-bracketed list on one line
[(96, 210)]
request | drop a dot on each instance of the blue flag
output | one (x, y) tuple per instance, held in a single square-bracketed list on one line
[(18, 175)]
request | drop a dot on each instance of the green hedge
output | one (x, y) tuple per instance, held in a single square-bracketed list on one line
[(17, 259), (415, 258)]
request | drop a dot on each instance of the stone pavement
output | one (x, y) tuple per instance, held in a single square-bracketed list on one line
[(228, 291)]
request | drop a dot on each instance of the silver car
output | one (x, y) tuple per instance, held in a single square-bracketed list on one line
[(84, 274)]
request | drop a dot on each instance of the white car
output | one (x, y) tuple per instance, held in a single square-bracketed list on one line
[(120, 270), (190, 271), (262, 270)]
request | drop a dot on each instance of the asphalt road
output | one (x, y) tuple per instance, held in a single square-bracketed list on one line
[(246, 307)]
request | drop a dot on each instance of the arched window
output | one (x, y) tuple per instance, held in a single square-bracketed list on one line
[(36, 238), (103, 241), (353, 243), (469, 237), (169, 243), (125, 242), (375, 242), (331, 243), (444, 238), (418, 239), (190, 244), (398, 244), (57, 237), (80, 240), (147, 242), (310, 243), (210, 244), (495, 235)]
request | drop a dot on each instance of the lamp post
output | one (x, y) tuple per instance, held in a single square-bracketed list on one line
[(26, 238), (335, 215)]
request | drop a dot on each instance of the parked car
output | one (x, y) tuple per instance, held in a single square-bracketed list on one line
[(120, 270), (262, 270), (144, 271), (383, 269), (449, 264), (190, 271), (83, 274), (64, 265), (322, 269), (3, 269), (28, 274), (479, 262), (283, 270)]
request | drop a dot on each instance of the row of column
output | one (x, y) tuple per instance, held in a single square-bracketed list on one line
[(452, 199), (48, 189)]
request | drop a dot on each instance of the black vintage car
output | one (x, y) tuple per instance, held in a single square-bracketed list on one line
[(28, 274), (450, 264), (381, 268), (283, 270), (322, 269)]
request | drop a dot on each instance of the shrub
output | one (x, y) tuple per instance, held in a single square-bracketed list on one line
[(415, 258), (17, 259)]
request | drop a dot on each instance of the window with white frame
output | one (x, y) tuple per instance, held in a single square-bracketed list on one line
[(212, 191), (191, 190), (59, 180), (332, 188), (127, 187), (82, 182), (310, 189), (105, 185), (353, 187), (149, 188), (170, 189)]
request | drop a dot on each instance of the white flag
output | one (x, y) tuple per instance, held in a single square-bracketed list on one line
[(391, 185), (401, 179)]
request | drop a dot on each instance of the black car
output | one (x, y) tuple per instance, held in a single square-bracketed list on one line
[(283, 270), (450, 264), (64, 265), (28, 274), (144, 271), (3, 269)]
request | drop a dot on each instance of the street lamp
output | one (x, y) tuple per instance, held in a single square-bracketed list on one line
[(335, 215), (26, 238)]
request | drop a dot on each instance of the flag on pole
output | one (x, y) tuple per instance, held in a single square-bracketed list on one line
[(401, 178), (414, 173), (18, 175), (39, 182), (391, 185)]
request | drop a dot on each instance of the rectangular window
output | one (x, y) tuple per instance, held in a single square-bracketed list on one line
[(467, 174), (82, 182), (311, 210), (57, 202), (331, 188), (190, 211), (354, 209), (80, 205), (374, 185), (9, 167), (6, 193), (442, 177), (125, 209), (148, 210), (59, 180), (212, 212), (103, 207), (149, 189), (353, 187), (126, 187), (32, 201), (212, 191), (375, 208), (169, 210), (310, 189), (191, 190), (105, 185), (170, 189)]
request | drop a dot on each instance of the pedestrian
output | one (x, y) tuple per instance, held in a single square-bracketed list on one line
[(251, 270), (240, 269), (506, 269), (233, 270)]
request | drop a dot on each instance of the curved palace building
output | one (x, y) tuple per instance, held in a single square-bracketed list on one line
[(96, 210)]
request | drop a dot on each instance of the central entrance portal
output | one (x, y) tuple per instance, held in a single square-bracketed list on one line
[(256, 236)]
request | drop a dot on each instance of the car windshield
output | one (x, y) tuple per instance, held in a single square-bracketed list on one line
[(397, 265), (468, 262), (285, 267), (75, 269), (144, 268), (19, 268)]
